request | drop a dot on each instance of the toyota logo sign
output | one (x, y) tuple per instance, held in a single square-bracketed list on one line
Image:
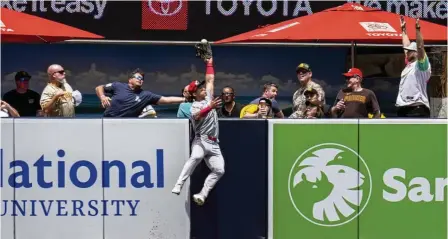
[(165, 7)]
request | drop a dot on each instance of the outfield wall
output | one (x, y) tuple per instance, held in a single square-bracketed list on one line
[(111, 178)]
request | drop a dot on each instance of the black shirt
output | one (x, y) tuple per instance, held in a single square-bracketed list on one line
[(127, 102), (235, 113), (27, 104)]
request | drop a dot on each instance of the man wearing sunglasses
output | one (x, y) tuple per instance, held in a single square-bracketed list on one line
[(57, 99), (230, 108), (355, 101), (299, 99), (129, 99), (24, 100)]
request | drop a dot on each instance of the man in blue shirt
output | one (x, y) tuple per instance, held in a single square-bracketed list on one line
[(128, 100), (184, 109)]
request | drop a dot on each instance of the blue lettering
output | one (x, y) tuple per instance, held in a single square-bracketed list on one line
[(24, 173), (93, 207), (61, 169), (74, 174), (118, 206), (40, 164), (61, 207), (44, 208), (121, 173), (145, 173), (140, 177), (104, 208), (15, 205), (79, 208), (160, 169), (133, 207), (33, 208)]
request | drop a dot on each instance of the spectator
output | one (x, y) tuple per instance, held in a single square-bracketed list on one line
[(269, 92), (129, 100), (312, 110), (355, 101), (230, 108), (412, 99), (56, 99), (24, 100), (304, 75), (184, 108), (7, 110), (262, 110)]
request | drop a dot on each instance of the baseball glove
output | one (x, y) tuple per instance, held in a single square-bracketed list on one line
[(203, 50)]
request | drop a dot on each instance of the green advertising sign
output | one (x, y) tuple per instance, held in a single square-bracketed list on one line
[(358, 179)]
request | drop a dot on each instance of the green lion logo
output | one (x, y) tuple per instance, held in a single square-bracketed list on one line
[(329, 184)]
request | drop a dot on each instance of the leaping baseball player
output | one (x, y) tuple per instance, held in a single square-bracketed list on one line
[(205, 124)]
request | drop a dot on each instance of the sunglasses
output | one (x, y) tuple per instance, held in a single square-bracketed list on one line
[(226, 93), (60, 72), (138, 77)]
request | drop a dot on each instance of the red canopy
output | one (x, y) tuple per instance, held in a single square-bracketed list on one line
[(346, 23), (22, 27)]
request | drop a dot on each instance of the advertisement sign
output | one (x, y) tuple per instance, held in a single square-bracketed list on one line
[(108, 178), (181, 20), (160, 148), (350, 179), (6, 157)]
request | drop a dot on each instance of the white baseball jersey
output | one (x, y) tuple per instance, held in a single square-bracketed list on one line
[(207, 126), (414, 79)]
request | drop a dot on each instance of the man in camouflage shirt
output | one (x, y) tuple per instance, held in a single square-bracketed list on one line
[(299, 99)]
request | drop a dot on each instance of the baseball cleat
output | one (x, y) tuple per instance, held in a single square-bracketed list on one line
[(199, 199), (177, 189)]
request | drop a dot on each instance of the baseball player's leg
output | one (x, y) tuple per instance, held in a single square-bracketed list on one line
[(216, 164), (197, 154)]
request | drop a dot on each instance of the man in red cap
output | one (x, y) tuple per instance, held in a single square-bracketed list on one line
[(355, 101), (204, 119)]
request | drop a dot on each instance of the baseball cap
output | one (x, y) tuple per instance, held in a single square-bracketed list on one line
[(266, 100), (353, 72), (22, 74), (411, 47), (303, 66), (194, 86), (310, 90)]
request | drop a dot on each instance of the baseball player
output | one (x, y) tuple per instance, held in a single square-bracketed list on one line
[(205, 144)]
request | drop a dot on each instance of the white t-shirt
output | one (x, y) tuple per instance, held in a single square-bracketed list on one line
[(414, 80)]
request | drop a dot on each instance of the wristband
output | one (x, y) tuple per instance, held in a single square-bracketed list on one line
[(205, 111), (209, 69)]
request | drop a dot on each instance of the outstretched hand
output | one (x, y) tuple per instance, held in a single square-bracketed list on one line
[(417, 23), (215, 103), (402, 22)]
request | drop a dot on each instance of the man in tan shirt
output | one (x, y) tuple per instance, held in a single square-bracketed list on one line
[(56, 99)]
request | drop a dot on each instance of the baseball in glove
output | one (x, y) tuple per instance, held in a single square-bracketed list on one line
[(203, 50)]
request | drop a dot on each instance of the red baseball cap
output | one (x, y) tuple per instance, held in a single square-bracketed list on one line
[(353, 72), (194, 85)]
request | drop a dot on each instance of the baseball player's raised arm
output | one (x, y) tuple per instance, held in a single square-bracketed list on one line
[(210, 77)]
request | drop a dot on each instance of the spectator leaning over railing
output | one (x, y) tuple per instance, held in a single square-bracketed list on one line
[(355, 101), (7, 110), (230, 108), (412, 99), (129, 99), (304, 75), (270, 91), (57, 99), (184, 108)]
